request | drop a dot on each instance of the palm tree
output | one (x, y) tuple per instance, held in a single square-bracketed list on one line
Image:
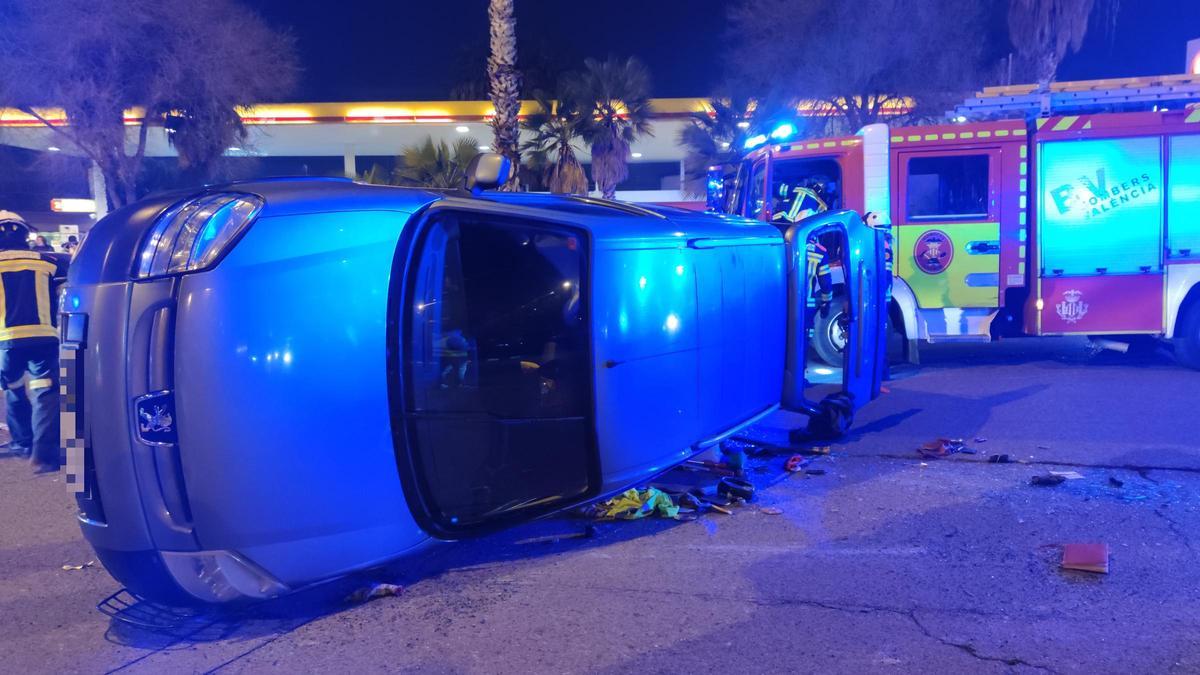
[(614, 97), (715, 136), (504, 84), (555, 127), (1044, 31), (376, 175), (436, 165)]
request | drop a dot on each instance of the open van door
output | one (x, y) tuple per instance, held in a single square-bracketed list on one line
[(861, 252)]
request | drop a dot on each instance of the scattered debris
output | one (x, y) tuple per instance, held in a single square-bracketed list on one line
[(796, 463), (1086, 557), (1043, 447), (999, 459), (76, 568), (1116, 482), (944, 447), (711, 466), (633, 504), (586, 533), (697, 504), (376, 590), (734, 453), (814, 472), (816, 450), (771, 510), (1047, 480), (980, 439), (1069, 475), (735, 488)]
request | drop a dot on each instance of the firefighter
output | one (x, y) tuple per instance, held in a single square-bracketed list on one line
[(819, 275), (29, 344)]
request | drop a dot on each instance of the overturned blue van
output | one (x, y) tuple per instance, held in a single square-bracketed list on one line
[(275, 383)]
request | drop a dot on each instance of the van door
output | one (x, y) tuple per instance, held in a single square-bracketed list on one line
[(492, 406), (861, 252), (948, 229), (1100, 236)]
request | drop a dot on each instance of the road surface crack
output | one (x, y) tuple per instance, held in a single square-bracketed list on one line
[(1176, 528), (970, 649), (910, 614)]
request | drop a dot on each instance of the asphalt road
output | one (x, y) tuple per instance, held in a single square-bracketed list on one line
[(886, 564)]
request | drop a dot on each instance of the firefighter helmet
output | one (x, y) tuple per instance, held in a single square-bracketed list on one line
[(14, 231)]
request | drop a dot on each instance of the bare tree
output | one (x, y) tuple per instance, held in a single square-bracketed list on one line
[(1045, 31), (859, 57), (504, 84), (185, 65)]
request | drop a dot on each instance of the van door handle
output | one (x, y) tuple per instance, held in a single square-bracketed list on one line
[(983, 247)]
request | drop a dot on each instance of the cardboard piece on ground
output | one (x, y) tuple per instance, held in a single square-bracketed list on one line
[(1069, 475), (1086, 557)]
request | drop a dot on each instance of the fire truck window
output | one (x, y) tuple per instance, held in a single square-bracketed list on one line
[(1183, 193), (1101, 206), (754, 191), (804, 187), (947, 188)]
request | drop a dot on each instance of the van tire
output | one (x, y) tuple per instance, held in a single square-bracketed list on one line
[(1187, 337)]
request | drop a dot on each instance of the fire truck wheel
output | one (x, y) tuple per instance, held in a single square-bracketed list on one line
[(1187, 338), (829, 334)]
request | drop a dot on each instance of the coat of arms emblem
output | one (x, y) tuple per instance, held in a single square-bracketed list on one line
[(1072, 308), (933, 252)]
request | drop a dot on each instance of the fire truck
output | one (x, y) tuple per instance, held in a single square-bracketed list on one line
[(1059, 221)]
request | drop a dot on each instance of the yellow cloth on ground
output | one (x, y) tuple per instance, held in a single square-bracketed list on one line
[(633, 504)]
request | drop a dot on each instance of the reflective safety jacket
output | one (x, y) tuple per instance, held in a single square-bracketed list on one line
[(27, 302), (819, 275)]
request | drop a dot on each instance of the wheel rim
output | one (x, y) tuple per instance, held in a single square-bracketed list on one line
[(836, 333)]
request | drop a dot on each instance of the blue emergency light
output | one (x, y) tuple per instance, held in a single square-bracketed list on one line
[(784, 131)]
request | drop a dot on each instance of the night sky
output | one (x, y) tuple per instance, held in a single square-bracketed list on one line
[(413, 50)]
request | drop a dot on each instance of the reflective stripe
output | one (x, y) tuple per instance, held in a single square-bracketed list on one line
[(19, 255), (41, 383), (1065, 123), (42, 281), (17, 332), (28, 266)]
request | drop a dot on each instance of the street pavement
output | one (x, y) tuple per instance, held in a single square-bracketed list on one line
[(887, 563)]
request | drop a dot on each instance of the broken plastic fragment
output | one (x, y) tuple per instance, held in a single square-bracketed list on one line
[(379, 590)]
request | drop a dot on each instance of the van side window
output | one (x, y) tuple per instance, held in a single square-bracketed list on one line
[(947, 188)]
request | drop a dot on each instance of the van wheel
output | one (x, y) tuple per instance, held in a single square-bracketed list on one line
[(829, 334), (1187, 338)]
